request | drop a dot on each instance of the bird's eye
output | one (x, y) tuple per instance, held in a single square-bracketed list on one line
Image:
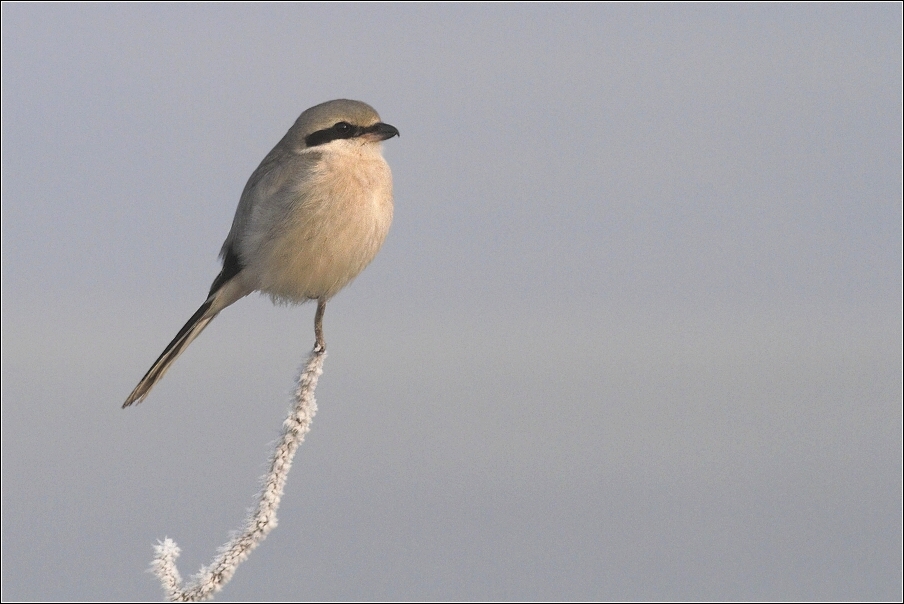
[(339, 130)]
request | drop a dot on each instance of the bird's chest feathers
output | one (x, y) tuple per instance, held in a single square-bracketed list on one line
[(336, 225), (353, 186)]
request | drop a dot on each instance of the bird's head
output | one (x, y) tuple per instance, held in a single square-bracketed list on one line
[(341, 119)]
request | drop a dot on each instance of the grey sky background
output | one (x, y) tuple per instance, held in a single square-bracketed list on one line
[(635, 332)]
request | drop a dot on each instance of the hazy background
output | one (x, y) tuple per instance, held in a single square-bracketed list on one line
[(635, 332)]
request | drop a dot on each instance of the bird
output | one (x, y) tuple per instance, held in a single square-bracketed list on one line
[(311, 217)]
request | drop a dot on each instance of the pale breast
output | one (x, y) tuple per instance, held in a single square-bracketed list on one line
[(337, 225)]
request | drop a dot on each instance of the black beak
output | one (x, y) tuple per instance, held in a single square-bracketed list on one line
[(381, 131)]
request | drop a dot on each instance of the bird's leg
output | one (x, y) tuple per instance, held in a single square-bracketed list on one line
[(320, 344)]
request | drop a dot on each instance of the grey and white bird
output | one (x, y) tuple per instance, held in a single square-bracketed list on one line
[(313, 214)]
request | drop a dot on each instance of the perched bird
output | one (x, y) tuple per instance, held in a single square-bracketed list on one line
[(313, 214)]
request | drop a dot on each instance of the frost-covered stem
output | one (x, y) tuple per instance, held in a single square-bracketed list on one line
[(262, 519)]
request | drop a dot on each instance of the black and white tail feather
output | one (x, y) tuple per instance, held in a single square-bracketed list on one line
[(223, 292)]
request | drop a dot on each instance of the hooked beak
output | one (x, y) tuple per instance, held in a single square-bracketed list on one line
[(381, 131)]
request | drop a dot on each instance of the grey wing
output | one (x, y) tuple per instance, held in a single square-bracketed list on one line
[(266, 199)]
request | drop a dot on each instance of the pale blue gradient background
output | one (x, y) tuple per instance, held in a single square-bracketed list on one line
[(635, 333)]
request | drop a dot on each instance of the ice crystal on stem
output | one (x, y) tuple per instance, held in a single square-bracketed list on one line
[(261, 519)]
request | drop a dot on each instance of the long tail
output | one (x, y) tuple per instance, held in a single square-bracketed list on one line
[(226, 289), (189, 332)]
